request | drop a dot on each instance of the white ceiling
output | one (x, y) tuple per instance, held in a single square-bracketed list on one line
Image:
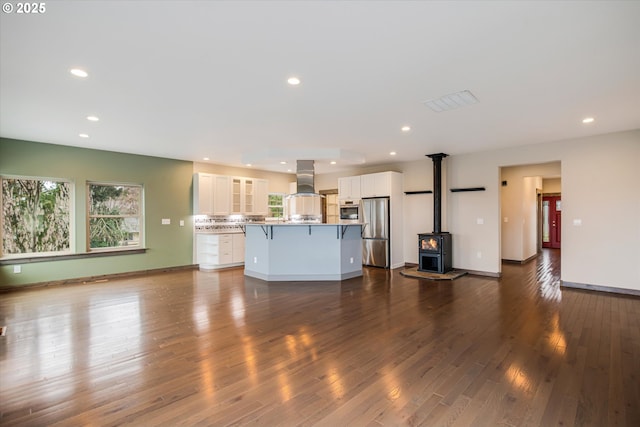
[(194, 79)]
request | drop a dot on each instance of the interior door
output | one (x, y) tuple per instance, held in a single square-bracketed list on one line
[(551, 221)]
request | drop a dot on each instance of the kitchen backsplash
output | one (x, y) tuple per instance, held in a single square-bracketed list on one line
[(223, 223)]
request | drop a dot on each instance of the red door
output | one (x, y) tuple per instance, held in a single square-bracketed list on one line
[(551, 221)]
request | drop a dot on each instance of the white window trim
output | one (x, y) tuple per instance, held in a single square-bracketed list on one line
[(142, 244), (72, 218), (270, 206)]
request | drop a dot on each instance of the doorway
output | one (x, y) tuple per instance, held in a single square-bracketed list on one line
[(521, 195), (551, 221), (330, 208)]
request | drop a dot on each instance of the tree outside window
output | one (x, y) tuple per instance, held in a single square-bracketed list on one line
[(115, 216), (36, 216), (276, 205)]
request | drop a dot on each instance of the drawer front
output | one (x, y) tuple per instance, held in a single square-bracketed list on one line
[(219, 249)]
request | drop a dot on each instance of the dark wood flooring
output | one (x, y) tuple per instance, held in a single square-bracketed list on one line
[(195, 348)]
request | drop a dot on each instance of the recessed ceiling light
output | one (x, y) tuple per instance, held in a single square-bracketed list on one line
[(93, 118), (283, 162), (588, 120), (78, 72), (393, 153), (293, 81), (205, 158), (405, 128), (83, 135), (333, 162), (248, 165)]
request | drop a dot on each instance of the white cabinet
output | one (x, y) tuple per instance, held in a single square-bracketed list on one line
[(304, 205), (221, 195), (202, 194), (236, 195), (376, 184), (349, 187), (210, 194), (226, 195), (207, 250), (249, 196), (261, 197), (225, 249), (238, 248), (219, 250)]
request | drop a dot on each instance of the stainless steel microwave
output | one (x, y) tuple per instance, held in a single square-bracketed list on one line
[(350, 210)]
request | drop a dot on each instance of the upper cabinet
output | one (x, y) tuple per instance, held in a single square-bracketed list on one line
[(349, 187), (225, 195), (261, 197), (237, 195), (202, 194), (221, 195), (249, 196), (381, 184), (210, 194), (376, 184)]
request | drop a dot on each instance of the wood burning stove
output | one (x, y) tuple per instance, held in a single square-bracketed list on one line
[(434, 252), (435, 249)]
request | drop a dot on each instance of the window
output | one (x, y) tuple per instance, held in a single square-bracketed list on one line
[(115, 216), (36, 216), (276, 205)]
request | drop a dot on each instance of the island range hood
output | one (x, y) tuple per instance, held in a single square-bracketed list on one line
[(304, 206)]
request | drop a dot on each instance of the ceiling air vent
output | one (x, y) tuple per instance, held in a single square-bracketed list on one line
[(451, 101)]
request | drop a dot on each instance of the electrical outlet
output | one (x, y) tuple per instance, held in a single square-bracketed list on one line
[(351, 260), (480, 221), (17, 269), (479, 254), (255, 259)]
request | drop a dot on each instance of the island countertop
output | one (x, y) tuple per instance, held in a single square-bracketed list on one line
[(303, 251)]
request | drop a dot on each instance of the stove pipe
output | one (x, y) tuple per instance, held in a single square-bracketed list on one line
[(437, 190)]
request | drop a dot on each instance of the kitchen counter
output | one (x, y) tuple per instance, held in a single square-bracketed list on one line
[(303, 251)]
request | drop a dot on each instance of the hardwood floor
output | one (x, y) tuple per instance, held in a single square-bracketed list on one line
[(195, 348)]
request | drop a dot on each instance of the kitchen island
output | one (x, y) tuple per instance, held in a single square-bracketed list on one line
[(303, 252)]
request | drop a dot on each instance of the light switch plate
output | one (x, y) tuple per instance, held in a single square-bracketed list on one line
[(182, 223), (166, 221)]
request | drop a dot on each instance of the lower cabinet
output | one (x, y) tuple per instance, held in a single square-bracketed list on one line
[(219, 250), (237, 252)]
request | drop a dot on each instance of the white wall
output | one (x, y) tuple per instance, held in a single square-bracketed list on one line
[(552, 185), (600, 177), (530, 186), (600, 180)]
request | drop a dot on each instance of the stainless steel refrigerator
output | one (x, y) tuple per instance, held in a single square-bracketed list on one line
[(375, 237)]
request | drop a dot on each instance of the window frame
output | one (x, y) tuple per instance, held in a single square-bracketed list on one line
[(71, 212), (281, 206), (140, 216)]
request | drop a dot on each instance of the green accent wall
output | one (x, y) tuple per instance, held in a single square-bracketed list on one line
[(167, 194)]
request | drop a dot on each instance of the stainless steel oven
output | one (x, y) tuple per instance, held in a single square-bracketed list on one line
[(350, 211)]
